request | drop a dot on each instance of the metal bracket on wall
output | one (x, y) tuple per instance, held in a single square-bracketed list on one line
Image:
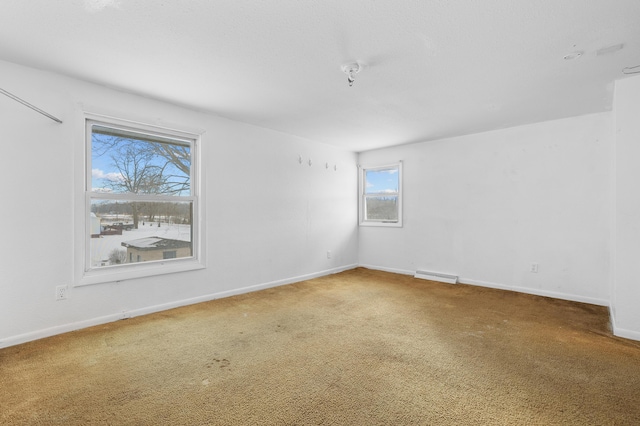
[(27, 104)]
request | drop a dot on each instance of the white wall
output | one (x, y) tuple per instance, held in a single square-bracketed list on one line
[(482, 206), (270, 220), (486, 206), (626, 289)]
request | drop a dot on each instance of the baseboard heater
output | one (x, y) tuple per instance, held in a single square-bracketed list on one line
[(436, 276)]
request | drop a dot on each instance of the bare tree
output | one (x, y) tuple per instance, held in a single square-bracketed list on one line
[(144, 167), (117, 256), (178, 155)]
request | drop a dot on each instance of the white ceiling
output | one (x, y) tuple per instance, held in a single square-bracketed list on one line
[(432, 69)]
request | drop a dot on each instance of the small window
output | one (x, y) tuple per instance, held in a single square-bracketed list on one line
[(380, 201), (141, 198)]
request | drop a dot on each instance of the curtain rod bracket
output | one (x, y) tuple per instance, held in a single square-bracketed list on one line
[(27, 104)]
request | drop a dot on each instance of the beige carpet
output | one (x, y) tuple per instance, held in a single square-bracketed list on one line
[(357, 348)]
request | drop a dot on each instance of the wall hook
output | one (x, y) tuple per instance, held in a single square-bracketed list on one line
[(628, 70)]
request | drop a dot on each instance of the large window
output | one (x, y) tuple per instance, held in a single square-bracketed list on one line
[(141, 200), (380, 201)]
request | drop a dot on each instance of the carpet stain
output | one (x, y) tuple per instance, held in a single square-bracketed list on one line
[(221, 363)]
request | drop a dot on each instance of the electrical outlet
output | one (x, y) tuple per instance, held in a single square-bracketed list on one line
[(61, 292), (328, 254), (534, 268)]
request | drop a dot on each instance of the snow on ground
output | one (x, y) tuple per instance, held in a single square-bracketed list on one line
[(101, 247)]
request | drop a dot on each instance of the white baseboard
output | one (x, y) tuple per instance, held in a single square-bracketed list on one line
[(384, 269), (622, 332), (59, 329), (65, 328), (537, 292), (235, 292), (626, 334)]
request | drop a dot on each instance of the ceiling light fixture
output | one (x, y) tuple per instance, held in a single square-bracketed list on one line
[(351, 70)]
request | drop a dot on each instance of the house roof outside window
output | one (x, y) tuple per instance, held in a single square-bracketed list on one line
[(155, 243)]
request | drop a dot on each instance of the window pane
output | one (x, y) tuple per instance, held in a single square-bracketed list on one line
[(383, 208), (381, 181), (128, 231), (129, 162), (169, 254)]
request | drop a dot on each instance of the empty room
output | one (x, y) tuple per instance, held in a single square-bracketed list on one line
[(298, 212)]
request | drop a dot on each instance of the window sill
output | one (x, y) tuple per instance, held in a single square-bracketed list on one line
[(382, 224), (140, 270)]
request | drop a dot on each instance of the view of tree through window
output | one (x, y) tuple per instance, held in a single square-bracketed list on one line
[(141, 203), (381, 194)]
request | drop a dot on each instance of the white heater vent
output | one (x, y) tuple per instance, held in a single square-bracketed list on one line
[(436, 276)]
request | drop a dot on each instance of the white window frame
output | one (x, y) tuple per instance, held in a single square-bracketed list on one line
[(363, 221), (85, 275)]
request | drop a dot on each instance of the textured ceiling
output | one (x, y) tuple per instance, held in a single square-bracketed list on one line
[(431, 69)]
